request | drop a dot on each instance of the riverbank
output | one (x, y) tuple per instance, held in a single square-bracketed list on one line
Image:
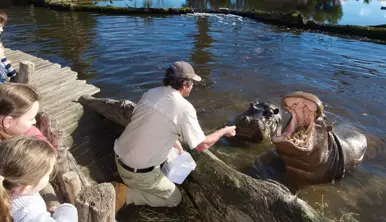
[(292, 20)]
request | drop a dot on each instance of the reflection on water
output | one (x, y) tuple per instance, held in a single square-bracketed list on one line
[(363, 12), (240, 61)]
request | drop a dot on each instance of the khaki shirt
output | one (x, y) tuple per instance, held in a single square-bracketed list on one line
[(159, 119)]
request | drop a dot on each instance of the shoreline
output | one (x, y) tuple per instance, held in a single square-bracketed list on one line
[(291, 20)]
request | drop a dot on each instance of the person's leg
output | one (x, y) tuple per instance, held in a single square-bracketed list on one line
[(152, 188), (156, 190)]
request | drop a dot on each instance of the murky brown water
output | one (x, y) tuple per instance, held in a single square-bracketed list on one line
[(240, 60)]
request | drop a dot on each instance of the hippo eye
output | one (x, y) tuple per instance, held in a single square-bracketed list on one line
[(276, 111)]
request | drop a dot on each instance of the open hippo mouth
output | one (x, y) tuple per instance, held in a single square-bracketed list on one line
[(259, 122), (307, 111)]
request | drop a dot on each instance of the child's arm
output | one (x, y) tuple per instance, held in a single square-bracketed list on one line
[(32, 208)]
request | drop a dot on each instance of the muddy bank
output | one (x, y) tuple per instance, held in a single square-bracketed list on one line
[(293, 20)]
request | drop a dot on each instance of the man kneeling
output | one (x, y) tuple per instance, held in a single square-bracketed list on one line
[(159, 119)]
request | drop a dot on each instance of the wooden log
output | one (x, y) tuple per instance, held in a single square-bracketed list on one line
[(118, 111), (72, 185), (220, 192), (65, 161), (26, 69), (96, 203), (62, 167), (224, 194)]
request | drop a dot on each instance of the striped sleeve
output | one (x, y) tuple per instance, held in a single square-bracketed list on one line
[(11, 72)]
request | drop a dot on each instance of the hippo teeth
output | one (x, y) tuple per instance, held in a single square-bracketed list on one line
[(291, 126), (278, 131)]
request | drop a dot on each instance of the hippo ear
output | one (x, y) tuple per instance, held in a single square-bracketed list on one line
[(276, 111), (251, 105)]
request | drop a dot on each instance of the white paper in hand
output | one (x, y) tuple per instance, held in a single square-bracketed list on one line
[(178, 167)]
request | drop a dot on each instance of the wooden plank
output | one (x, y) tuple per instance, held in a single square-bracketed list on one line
[(71, 118), (60, 80), (20, 57), (70, 128), (67, 90), (74, 96), (64, 84), (55, 111), (48, 67), (50, 79), (69, 109), (41, 63), (10, 53)]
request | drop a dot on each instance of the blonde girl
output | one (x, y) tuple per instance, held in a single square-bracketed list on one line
[(19, 105), (25, 166)]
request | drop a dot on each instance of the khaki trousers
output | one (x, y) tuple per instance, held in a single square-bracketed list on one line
[(151, 188)]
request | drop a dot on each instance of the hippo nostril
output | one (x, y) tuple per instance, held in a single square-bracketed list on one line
[(268, 113)]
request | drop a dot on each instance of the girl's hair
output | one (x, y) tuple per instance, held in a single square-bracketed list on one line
[(24, 161), (3, 18), (15, 100)]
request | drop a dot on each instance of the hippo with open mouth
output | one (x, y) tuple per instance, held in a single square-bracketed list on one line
[(258, 123), (311, 150)]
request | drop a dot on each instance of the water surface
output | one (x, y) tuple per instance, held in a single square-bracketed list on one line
[(239, 60)]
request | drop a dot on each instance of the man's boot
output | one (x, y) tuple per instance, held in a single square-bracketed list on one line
[(120, 195)]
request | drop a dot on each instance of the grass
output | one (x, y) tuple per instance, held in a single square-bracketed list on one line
[(185, 211), (346, 217)]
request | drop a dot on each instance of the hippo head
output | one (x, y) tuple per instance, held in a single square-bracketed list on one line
[(259, 122), (306, 129)]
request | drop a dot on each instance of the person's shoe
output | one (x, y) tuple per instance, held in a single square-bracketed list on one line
[(120, 195)]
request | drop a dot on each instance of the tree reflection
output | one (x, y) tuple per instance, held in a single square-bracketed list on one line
[(72, 32), (201, 56)]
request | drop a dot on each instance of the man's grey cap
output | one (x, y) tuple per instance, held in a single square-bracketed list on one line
[(183, 69)]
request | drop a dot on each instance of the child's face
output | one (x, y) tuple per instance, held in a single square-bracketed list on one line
[(30, 189), (19, 126)]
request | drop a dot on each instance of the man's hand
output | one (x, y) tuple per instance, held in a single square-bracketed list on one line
[(230, 131), (178, 146)]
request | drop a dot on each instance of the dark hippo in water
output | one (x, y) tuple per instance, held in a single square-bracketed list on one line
[(258, 123), (311, 150)]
